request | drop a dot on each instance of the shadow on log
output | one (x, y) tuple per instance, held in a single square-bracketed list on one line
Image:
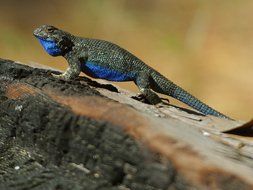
[(84, 134)]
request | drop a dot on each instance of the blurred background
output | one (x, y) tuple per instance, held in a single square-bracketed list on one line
[(204, 46)]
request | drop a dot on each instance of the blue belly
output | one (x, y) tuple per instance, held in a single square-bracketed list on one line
[(97, 71)]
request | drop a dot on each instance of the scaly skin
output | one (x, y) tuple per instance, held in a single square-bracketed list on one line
[(105, 60)]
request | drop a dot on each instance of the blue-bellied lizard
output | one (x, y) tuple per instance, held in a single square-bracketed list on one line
[(105, 60)]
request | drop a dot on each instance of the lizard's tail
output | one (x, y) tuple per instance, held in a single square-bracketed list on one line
[(183, 96), (167, 87)]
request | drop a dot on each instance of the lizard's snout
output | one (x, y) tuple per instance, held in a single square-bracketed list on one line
[(36, 32), (39, 33)]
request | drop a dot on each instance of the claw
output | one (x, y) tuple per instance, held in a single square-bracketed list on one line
[(165, 99), (159, 105), (140, 97)]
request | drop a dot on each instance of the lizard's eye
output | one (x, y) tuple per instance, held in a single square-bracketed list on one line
[(50, 30)]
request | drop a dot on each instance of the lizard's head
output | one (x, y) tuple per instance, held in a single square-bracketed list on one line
[(55, 41)]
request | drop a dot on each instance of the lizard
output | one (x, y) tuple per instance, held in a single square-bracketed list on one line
[(105, 60)]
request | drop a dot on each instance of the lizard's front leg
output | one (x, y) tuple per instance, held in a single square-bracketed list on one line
[(72, 71)]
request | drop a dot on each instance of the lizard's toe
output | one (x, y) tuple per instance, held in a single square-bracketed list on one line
[(166, 99), (159, 105), (140, 97), (55, 75), (60, 77)]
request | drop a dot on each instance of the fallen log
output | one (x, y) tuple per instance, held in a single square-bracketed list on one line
[(87, 134)]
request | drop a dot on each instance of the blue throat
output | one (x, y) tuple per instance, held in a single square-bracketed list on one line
[(97, 71), (50, 46)]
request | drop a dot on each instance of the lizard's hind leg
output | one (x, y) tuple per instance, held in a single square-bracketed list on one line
[(143, 83)]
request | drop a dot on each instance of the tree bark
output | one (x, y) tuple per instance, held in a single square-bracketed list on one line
[(87, 134)]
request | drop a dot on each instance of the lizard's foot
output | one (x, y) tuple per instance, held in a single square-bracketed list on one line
[(60, 77), (140, 97), (147, 96), (162, 103), (159, 105), (153, 98)]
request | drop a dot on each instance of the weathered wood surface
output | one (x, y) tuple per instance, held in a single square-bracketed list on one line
[(85, 134)]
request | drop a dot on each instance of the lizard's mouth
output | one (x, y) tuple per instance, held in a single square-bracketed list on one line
[(44, 39), (39, 36), (36, 33)]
